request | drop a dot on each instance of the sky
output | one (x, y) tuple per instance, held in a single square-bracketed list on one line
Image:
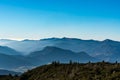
[(37, 19)]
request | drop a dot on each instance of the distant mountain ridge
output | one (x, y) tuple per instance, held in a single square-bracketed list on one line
[(100, 49), (44, 51)]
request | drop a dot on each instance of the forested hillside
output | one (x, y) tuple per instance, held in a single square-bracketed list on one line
[(72, 71)]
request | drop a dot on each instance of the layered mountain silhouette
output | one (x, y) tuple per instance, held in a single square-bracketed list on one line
[(45, 56), (100, 49), (44, 51), (49, 54)]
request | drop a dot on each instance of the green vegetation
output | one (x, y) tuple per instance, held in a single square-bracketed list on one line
[(72, 71)]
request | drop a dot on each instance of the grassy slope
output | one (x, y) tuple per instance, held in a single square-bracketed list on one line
[(89, 71)]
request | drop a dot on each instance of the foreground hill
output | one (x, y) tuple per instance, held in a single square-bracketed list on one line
[(72, 71)]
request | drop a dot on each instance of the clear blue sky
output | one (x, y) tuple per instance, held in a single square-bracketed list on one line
[(35, 19)]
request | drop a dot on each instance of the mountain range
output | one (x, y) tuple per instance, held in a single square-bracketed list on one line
[(22, 63), (26, 54), (49, 54), (100, 49)]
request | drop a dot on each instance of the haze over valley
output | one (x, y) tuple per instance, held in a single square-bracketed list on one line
[(27, 54)]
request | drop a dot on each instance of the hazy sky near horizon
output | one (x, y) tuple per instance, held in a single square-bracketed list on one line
[(35, 19)]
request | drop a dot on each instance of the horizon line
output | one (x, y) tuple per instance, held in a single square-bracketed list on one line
[(56, 38)]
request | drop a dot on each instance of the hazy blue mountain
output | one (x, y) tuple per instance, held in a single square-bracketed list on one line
[(76, 45), (49, 54), (109, 50), (29, 46), (8, 51), (7, 72), (100, 49), (13, 61), (45, 56)]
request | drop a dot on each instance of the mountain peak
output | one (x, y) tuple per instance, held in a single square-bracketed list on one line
[(70, 38), (25, 40), (53, 38), (107, 40)]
